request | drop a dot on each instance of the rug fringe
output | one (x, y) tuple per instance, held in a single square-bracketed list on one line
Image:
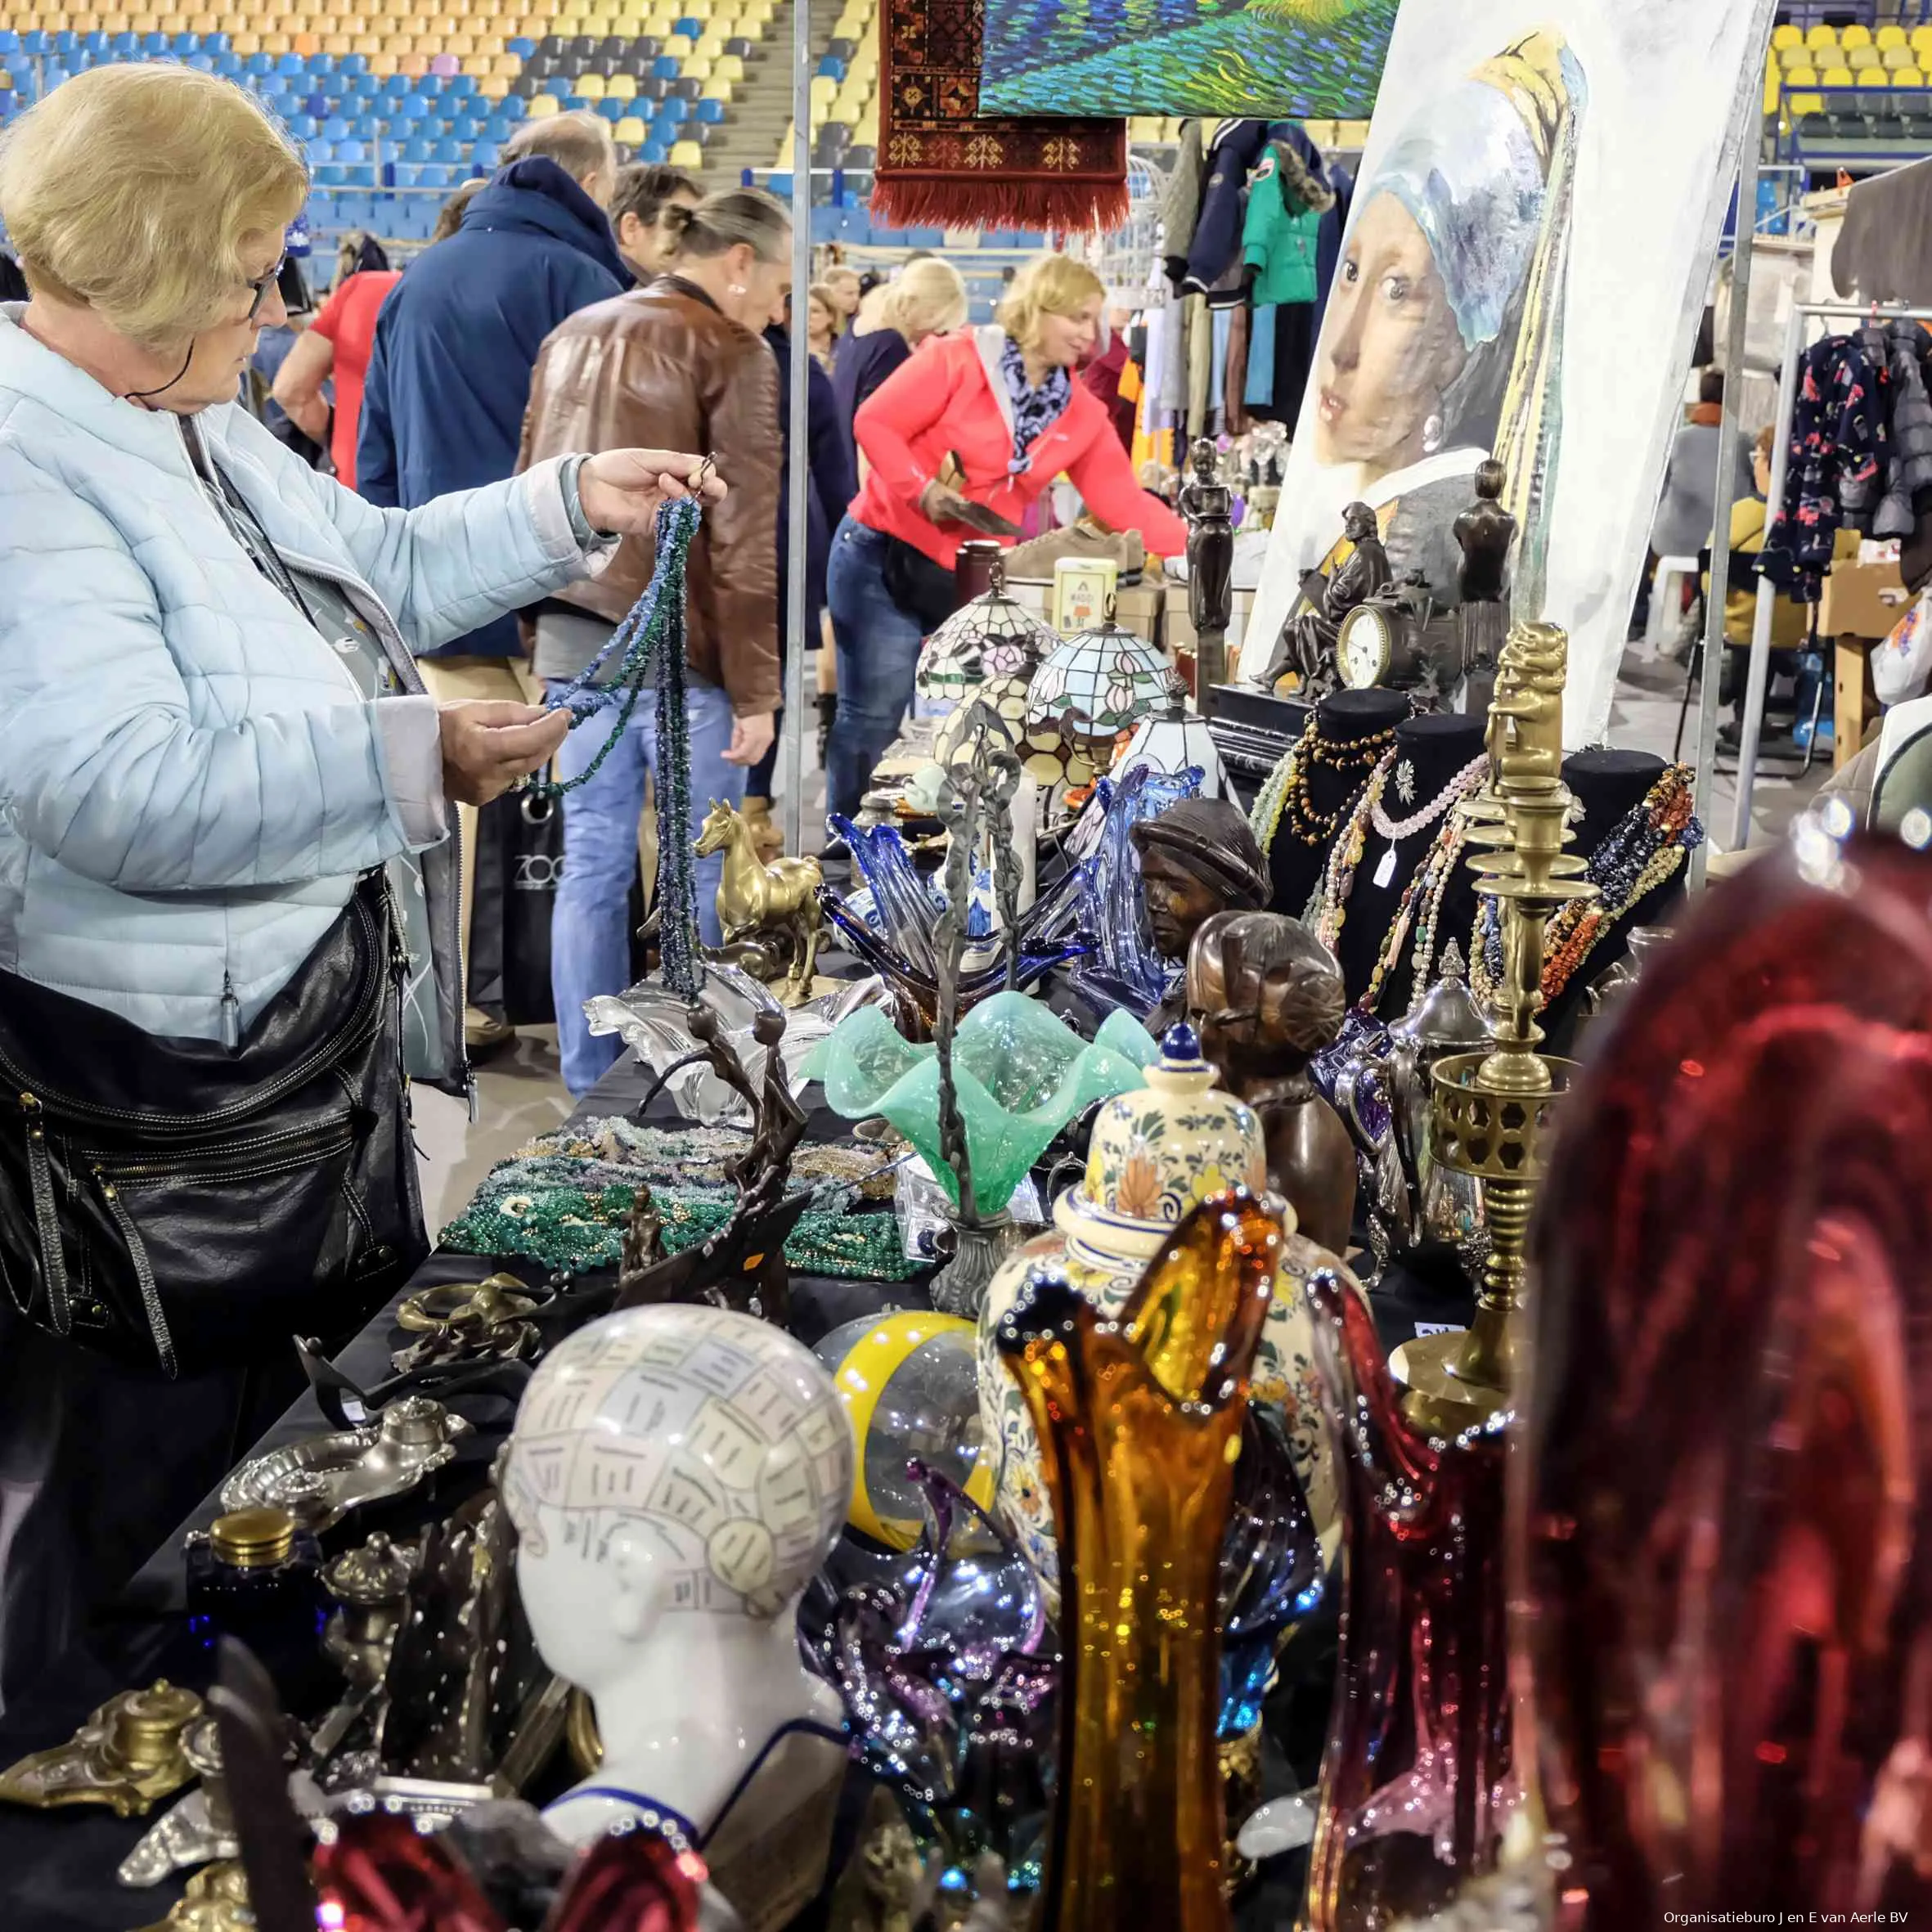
[(961, 201)]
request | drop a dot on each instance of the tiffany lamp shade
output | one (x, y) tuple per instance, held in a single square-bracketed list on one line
[(1173, 739), (1094, 685), (990, 638)]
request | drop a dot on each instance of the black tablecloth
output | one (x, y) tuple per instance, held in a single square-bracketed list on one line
[(59, 1867)]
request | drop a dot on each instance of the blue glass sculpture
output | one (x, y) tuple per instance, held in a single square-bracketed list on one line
[(1122, 969)]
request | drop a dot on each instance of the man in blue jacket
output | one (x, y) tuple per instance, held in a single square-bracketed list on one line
[(442, 409)]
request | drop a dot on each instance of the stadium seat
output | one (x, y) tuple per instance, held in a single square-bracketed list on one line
[(630, 130), (542, 104), (686, 154)]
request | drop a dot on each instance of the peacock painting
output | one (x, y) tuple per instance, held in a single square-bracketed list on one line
[(1273, 58)]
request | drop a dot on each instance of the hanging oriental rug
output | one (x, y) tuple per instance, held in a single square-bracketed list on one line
[(940, 165)]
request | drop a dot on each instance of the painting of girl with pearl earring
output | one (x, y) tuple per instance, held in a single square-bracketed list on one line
[(1511, 287)]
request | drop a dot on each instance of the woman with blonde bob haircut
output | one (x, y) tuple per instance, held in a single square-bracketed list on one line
[(961, 439), (228, 910), (925, 298)]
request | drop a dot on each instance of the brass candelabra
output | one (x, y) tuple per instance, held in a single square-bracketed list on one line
[(1491, 1109)]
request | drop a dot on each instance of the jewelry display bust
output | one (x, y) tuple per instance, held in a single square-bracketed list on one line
[(677, 1476), (1308, 796), (1393, 923), (1266, 997)]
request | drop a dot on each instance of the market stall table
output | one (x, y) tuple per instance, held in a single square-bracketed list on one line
[(61, 1865)]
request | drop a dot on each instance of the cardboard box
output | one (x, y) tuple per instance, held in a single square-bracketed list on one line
[(1137, 607), (1856, 603)]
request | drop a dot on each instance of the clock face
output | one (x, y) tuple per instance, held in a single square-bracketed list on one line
[(1362, 647)]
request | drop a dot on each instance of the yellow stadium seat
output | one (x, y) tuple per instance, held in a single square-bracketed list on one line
[(305, 44), (355, 23), (1772, 74), (710, 46), (590, 85), (278, 43), (1836, 77), (478, 65), (621, 86), (823, 89), (494, 87), (686, 154), (542, 105), (660, 22), (337, 45), (1861, 59), (175, 22), (415, 65), (1895, 57), (631, 131), (141, 22), (728, 67), (463, 46), (1786, 36), (1921, 40), (1908, 77), (716, 90), (696, 69), (1855, 35), (383, 64), (1892, 36), (677, 45), (1820, 36)]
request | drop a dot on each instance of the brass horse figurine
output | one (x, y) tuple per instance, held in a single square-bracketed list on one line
[(759, 901)]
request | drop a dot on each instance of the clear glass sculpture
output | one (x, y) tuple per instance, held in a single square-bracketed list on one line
[(1021, 1072)]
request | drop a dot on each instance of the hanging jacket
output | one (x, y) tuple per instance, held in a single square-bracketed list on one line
[(191, 777), (449, 376), (1233, 149), (1836, 458), (1279, 239), (1180, 202), (1909, 482)]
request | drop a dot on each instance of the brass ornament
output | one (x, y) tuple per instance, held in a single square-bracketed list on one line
[(1491, 1108), (129, 1754), (216, 1901), (757, 902)]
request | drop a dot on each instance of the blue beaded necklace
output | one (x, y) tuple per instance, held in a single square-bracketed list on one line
[(650, 644)]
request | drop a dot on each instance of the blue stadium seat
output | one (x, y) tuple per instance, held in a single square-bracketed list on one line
[(521, 45), (366, 127), (488, 156), (512, 108), (336, 128), (832, 67), (304, 126), (673, 110), (316, 63), (560, 85), (653, 154), (365, 86), (415, 107), (202, 63), (154, 44), (289, 64), (432, 85), (692, 29), (397, 86), (329, 175), (35, 40), (355, 64), (612, 109), (259, 64), (186, 44), (360, 174), (460, 84), (350, 150), (227, 65), (10, 41), (417, 150), (467, 127), (404, 175), (780, 185), (712, 111), (275, 87), (666, 67)]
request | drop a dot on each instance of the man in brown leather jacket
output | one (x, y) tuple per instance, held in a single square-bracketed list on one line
[(684, 352)]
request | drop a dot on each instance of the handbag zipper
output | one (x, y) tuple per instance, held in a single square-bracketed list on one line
[(47, 1223), (289, 1148), (151, 1299), (368, 1013)]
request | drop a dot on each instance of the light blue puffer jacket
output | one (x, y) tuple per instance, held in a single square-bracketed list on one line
[(190, 781)]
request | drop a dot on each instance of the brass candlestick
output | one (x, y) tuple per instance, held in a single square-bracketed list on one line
[(1490, 1108)]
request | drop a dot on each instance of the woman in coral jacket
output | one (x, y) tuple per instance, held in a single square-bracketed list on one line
[(997, 412)]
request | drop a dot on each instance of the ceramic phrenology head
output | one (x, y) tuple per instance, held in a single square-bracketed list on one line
[(670, 1462)]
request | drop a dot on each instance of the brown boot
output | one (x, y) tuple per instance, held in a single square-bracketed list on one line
[(767, 840)]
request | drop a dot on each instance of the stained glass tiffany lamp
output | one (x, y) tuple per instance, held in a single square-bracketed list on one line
[(1174, 740), (990, 638), (1095, 685)]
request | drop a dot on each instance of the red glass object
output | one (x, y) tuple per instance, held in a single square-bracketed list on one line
[(1417, 1779), (376, 1872), (1723, 1515)]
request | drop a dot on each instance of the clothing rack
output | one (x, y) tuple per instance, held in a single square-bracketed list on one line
[(1759, 678)]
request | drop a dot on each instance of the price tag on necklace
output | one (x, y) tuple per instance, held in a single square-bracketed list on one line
[(1386, 872)]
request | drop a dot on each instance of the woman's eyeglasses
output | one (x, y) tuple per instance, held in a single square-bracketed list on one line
[(262, 287)]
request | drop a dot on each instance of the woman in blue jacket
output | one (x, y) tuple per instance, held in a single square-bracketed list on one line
[(219, 777)]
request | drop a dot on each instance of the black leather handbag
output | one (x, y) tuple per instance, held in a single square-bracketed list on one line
[(183, 1203)]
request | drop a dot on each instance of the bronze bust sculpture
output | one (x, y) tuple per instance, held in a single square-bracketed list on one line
[(1266, 996), (1484, 530), (1307, 641), (1208, 504), (1197, 859)]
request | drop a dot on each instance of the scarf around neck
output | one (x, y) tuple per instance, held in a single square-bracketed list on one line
[(1034, 410)]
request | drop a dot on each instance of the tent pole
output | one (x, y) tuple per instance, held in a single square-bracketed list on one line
[(792, 755)]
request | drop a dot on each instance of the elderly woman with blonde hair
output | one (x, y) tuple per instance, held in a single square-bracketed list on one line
[(961, 439), (227, 898)]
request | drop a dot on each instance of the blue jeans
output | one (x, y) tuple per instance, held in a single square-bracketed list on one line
[(590, 926), (878, 651)]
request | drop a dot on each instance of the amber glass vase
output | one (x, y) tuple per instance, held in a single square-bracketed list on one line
[(1140, 1415)]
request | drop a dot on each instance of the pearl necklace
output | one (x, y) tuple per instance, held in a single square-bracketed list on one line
[(1396, 831)]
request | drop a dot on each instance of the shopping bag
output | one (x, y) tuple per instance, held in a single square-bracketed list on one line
[(1902, 666)]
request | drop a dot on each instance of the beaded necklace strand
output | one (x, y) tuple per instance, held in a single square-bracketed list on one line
[(1288, 786), (1328, 910), (650, 647), (1645, 847), (1422, 896)]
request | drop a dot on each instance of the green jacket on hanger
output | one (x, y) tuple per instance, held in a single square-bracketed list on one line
[(1279, 237)]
